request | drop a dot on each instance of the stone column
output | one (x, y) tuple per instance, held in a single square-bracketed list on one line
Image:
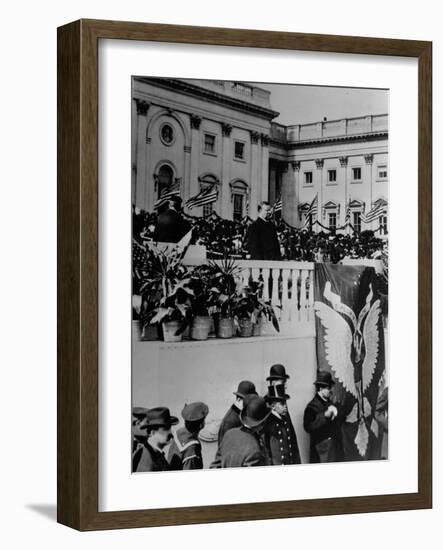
[(367, 178), (141, 156), (264, 167), (255, 180), (319, 164), (290, 210), (344, 178), (194, 156), (225, 191)]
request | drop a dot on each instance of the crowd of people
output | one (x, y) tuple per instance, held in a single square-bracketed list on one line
[(238, 239), (255, 431)]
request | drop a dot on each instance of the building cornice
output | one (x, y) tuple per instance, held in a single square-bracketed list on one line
[(209, 95), (370, 136)]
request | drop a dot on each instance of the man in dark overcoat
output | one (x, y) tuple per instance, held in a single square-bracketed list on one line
[(241, 447), (279, 433), (262, 239), (185, 452), (232, 417), (149, 455), (321, 421), (171, 226)]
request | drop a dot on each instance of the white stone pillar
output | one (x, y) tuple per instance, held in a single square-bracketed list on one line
[(264, 167), (194, 155), (141, 152), (255, 181), (343, 181), (290, 194), (367, 179), (225, 191), (319, 179)]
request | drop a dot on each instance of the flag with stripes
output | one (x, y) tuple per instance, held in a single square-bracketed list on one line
[(206, 196), (171, 190), (277, 206), (348, 213), (312, 210), (379, 207)]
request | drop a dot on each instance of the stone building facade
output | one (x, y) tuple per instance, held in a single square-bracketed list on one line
[(196, 134)]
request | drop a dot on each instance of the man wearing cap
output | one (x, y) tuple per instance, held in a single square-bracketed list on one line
[(320, 421), (232, 417), (185, 452), (241, 447), (279, 434), (149, 455), (277, 375)]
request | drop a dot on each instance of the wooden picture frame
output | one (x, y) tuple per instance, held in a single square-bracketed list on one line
[(78, 276)]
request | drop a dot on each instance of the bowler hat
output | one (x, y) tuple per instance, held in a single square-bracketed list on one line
[(139, 412), (324, 378), (255, 412), (160, 416), (195, 411), (277, 372), (245, 388), (277, 393)]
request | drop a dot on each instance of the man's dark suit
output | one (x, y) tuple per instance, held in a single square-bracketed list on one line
[(240, 448), (281, 440), (262, 241), (230, 420), (324, 434), (170, 227)]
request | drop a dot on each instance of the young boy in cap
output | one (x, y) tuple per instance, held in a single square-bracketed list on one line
[(279, 434), (320, 421), (149, 455), (241, 447), (185, 452)]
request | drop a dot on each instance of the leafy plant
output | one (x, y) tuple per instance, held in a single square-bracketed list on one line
[(251, 305), (165, 286), (223, 290)]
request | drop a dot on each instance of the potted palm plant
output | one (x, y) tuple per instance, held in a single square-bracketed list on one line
[(223, 292), (166, 284), (251, 309), (201, 303)]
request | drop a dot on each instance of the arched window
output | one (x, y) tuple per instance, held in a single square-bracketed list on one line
[(164, 178), (239, 199)]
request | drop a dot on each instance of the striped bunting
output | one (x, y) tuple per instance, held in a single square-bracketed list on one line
[(312, 210), (204, 197), (380, 207), (277, 206), (173, 189)]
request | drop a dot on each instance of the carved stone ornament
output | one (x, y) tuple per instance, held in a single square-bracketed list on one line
[(319, 163), (295, 165), (195, 122), (142, 106), (343, 161), (264, 140), (226, 129), (255, 136), (369, 158)]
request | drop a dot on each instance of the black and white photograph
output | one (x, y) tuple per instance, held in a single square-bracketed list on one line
[(260, 231)]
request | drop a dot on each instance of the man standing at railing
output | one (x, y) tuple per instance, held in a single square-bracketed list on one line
[(262, 239)]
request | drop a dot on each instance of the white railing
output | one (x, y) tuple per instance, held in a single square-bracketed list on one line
[(289, 286)]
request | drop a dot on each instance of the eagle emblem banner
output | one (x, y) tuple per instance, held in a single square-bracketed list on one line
[(350, 345)]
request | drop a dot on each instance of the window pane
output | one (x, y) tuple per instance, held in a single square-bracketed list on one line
[(357, 222), (332, 175), (238, 207), (209, 143), (239, 149), (308, 177), (356, 173), (332, 221)]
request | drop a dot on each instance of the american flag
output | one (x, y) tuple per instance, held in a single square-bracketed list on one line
[(348, 213), (379, 207), (171, 190), (277, 206), (312, 210), (206, 196)]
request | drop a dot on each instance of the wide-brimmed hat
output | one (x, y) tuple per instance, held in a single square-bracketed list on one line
[(255, 411), (139, 412), (245, 388), (277, 393), (193, 412), (277, 372), (324, 378), (160, 416)]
